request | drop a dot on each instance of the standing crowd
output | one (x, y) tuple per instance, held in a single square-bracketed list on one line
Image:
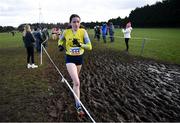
[(33, 39), (109, 28)]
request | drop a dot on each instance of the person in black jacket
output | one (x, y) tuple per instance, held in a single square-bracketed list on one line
[(29, 44)]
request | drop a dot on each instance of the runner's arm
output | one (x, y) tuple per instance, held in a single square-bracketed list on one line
[(87, 43)]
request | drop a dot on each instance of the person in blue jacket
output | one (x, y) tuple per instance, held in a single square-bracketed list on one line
[(104, 32), (38, 39)]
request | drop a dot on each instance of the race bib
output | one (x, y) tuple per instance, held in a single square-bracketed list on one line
[(75, 51)]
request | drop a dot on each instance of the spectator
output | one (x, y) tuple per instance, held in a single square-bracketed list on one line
[(29, 44)]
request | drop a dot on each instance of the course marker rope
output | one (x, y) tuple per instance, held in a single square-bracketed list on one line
[(63, 79)]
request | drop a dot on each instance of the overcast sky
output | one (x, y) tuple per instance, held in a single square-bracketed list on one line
[(16, 12)]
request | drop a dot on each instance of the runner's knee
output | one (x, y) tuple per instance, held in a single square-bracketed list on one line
[(76, 83)]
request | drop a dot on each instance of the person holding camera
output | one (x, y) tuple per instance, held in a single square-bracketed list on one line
[(127, 34), (76, 41)]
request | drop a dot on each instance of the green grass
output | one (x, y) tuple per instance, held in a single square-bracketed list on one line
[(165, 47), (8, 41)]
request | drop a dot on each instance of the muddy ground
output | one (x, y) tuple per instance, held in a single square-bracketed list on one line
[(117, 87)]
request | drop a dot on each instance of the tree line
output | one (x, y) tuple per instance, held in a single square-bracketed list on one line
[(7, 28), (161, 14)]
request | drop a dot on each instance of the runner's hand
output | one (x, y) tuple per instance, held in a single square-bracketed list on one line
[(61, 48)]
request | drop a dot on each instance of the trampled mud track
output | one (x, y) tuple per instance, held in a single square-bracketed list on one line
[(118, 87)]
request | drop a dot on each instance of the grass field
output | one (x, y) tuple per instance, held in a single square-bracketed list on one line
[(161, 44), (23, 92)]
